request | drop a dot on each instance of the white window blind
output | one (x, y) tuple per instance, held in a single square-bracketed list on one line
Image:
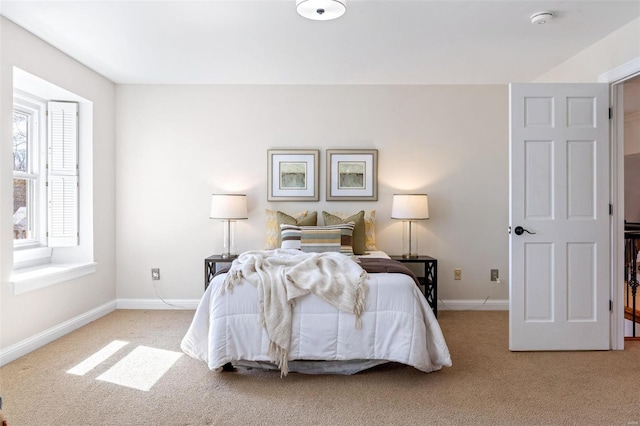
[(62, 178)]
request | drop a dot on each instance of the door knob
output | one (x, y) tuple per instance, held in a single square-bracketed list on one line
[(519, 230)]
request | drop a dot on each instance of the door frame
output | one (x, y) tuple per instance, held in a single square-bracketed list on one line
[(615, 77)]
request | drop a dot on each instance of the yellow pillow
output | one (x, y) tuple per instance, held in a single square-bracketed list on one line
[(370, 231)]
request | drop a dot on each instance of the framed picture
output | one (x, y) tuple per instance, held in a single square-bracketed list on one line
[(293, 175), (352, 174)]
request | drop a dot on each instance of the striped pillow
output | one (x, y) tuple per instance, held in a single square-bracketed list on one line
[(318, 239), (290, 236), (369, 237), (359, 242)]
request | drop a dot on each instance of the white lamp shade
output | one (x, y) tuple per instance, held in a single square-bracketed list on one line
[(321, 10), (228, 206), (410, 207)]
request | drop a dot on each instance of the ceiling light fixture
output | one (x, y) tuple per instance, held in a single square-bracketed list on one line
[(541, 17), (321, 10)]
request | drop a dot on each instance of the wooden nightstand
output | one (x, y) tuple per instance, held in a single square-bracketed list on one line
[(429, 280), (211, 266)]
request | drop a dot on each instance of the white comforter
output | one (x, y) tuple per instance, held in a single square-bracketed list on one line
[(397, 325)]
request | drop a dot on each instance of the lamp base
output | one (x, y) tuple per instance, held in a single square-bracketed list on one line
[(409, 240), (229, 239)]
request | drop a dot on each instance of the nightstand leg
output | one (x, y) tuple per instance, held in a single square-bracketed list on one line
[(431, 285), (209, 272)]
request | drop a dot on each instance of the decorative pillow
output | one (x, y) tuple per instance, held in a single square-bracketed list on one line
[(321, 240), (370, 231), (318, 239), (273, 228), (310, 219), (359, 240), (290, 235)]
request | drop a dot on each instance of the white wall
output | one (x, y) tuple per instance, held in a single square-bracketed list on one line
[(618, 48), (28, 314), (178, 144)]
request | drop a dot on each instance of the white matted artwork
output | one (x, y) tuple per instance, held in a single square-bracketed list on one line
[(352, 174), (293, 175)]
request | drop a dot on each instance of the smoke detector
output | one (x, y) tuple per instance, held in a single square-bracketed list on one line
[(541, 17)]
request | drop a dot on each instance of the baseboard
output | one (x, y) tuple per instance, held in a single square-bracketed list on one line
[(475, 305), (34, 342), (151, 304)]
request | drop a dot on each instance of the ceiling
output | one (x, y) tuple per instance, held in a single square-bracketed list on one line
[(267, 42)]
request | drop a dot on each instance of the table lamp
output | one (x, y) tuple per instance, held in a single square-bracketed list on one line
[(409, 208), (229, 208)]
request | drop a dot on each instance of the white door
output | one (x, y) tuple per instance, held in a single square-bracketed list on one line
[(559, 192)]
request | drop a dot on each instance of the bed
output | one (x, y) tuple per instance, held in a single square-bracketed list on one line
[(396, 323)]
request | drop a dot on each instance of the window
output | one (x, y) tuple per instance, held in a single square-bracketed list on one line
[(22, 177), (27, 181), (45, 173), (53, 208)]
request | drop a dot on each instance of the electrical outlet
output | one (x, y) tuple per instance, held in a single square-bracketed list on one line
[(495, 275), (155, 274), (457, 274)]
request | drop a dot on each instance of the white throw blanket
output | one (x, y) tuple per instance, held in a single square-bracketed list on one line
[(283, 275)]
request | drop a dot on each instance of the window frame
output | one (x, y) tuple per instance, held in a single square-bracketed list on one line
[(36, 109)]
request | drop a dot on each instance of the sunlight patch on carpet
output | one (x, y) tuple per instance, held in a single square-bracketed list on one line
[(141, 368), (97, 358)]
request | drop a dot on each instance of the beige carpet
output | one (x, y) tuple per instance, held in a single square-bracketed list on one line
[(487, 385)]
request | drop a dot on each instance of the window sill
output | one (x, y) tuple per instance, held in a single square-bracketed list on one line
[(31, 279), (27, 256)]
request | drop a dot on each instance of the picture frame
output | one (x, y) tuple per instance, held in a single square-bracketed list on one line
[(352, 175), (293, 175)]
